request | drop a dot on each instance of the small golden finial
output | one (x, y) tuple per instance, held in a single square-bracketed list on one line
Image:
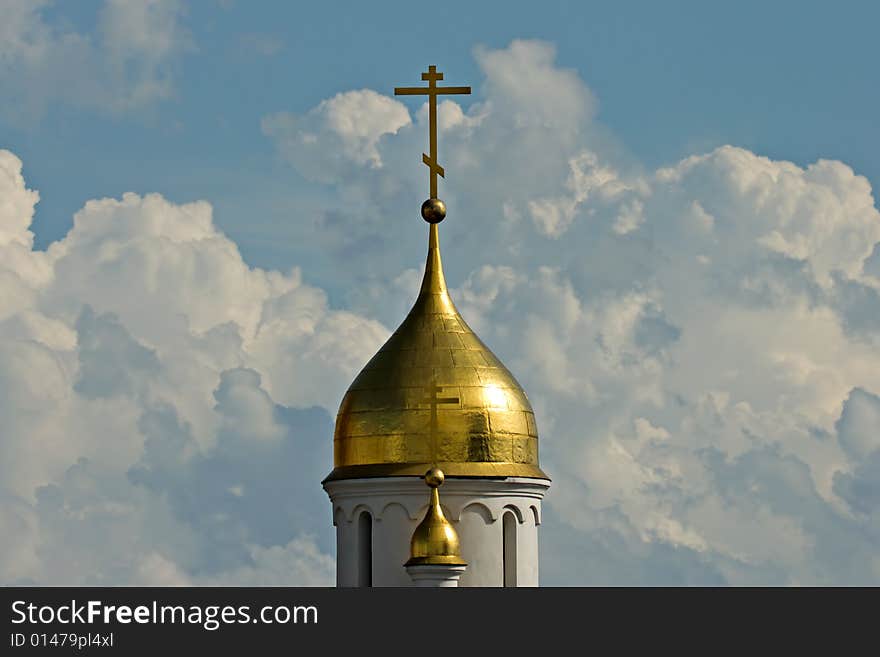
[(433, 210), (435, 541)]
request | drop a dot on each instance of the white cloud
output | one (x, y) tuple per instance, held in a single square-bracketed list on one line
[(524, 83), (299, 563), (823, 215), (741, 361), (159, 396), (16, 203), (631, 216), (23, 270), (586, 178), (125, 63), (344, 129), (859, 423)]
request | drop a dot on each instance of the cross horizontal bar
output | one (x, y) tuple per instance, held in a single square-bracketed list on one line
[(427, 91), (434, 167)]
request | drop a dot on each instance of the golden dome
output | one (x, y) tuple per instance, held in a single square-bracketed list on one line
[(434, 541), (434, 394)]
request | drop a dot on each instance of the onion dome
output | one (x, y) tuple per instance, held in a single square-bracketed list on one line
[(435, 396)]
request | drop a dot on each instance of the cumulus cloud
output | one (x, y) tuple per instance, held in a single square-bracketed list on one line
[(160, 397), (343, 130), (125, 63), (700, 341), (525, 85)]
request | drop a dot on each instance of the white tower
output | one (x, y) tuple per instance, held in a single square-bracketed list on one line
[(434, 396)]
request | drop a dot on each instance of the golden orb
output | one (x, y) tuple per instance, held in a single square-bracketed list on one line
[(434, 477), (433, 210)]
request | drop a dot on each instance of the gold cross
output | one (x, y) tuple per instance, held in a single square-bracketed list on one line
[(432, 391), (432, 91)]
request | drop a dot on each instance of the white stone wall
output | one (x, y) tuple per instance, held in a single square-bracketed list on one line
[(475, 507)]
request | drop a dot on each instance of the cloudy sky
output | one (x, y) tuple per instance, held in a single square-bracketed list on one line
[(661, 217)]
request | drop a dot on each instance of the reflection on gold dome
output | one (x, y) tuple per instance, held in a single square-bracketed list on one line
[(434, 394)]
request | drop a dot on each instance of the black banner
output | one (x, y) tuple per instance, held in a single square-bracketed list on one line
[(134, 621)]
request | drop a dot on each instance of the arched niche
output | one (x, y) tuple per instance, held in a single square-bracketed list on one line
[(365, 549), (509, 523), (479, 509)]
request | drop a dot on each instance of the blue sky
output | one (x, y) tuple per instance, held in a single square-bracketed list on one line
[(662, 217), (791, 80)]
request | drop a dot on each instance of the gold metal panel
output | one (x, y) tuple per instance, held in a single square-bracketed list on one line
[(490, 448), (433, 307), (517, 401), (369, 423), (442, 358), (418, 448), (508, 422), (372, 447), (444, 305), (414, 377), (469, 340), (389, 399), (496, 377), (348, 449), (493, 361), (471, 397), (450, 448), (468, 358), (415, 398), (423, 358), (532, 426), (457, 423), (445, 340), (416, 421), (394, 448), (501, 449), (456, 376), (521, 449), (370, 378)]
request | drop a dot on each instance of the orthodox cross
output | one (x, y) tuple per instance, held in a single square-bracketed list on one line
[(434, 400), (432, 91)]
